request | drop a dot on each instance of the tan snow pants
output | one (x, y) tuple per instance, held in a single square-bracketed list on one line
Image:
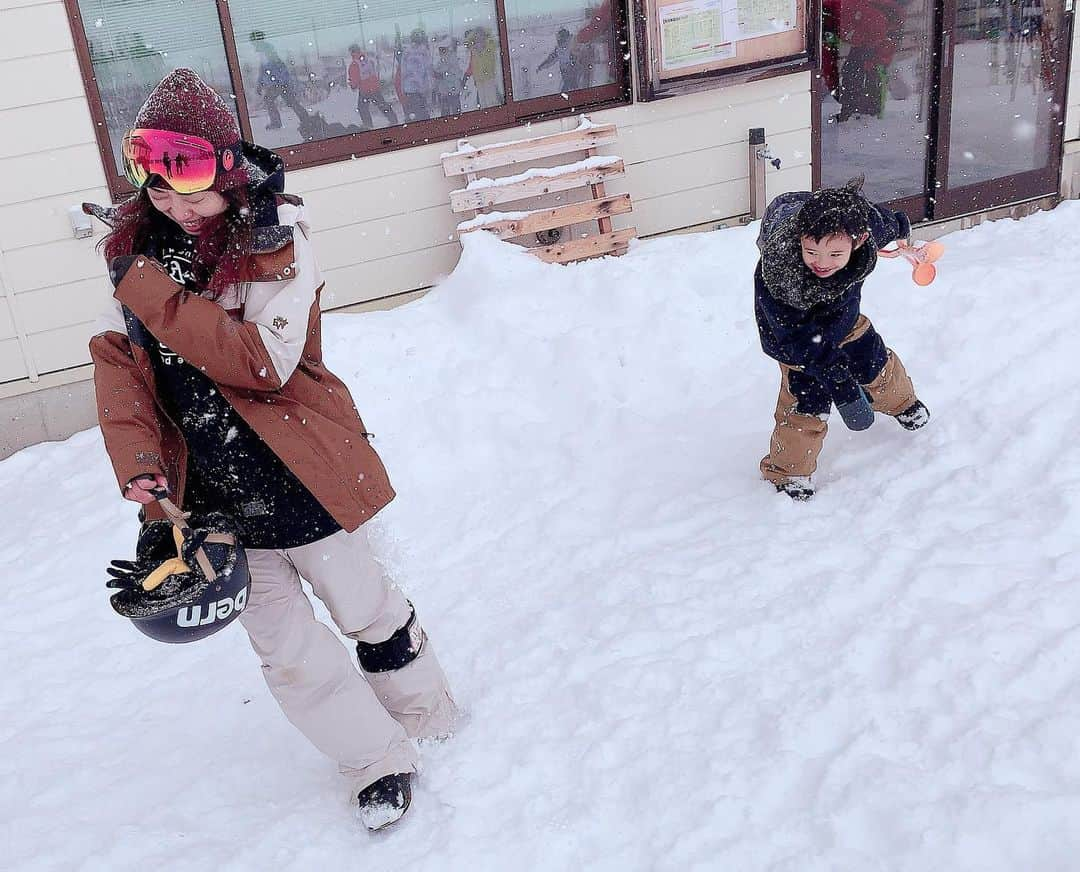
[(364, 721), (797, 439)]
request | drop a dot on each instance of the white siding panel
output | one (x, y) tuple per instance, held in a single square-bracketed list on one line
[(64, 305), (30, 177), (57, 263), (369, 199), (683, 172), (15, 4), (7, 326), (782, 91), (46, 220), (711, 203), (391, 275), (46, 126), (385, 237), (34, 30), (62, 348), (720, 126), (12, 366), (54, 77)]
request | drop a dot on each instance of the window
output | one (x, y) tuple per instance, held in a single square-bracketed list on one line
[(560, 48), (131, 51), (331, 79)]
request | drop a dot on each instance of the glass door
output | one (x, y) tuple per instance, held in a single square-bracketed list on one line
[(1004, 71), (946, 107), (876, 98)]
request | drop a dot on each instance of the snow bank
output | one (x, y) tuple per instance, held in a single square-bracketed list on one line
[(666, 665)]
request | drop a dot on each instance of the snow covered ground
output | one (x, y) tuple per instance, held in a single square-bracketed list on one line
[(665, 664)]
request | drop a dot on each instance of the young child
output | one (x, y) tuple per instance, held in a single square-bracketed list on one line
[(816, 251), (364, 79), (210, 383)]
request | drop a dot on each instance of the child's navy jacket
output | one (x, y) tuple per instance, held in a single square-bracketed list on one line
[(802, 319)]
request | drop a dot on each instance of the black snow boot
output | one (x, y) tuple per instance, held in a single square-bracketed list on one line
[(914, 416), (385, 801), (799, 489)]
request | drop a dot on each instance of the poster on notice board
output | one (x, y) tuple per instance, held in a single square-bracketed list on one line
[(701, 32)]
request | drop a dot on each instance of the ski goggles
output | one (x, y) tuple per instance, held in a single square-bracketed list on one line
[(187, 164)]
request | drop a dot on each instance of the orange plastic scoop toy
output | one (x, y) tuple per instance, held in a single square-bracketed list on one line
[(921, 258)]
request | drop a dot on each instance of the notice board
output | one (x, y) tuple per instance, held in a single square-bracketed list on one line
[(689, 37)]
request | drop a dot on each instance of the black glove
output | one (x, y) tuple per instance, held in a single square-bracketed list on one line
[(129, 574), (119, 266), (850, 398), (843, 388)]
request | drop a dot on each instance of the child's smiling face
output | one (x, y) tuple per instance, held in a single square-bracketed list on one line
[(826, 256)]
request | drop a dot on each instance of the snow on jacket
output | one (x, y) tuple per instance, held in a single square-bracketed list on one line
[(417, 75), (803, 319), (268, 366), (364, 76)]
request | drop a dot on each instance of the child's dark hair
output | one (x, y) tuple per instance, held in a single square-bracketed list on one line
[(835, 210), (222, 248)]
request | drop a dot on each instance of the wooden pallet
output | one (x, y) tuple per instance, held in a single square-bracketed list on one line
[(483, 192)]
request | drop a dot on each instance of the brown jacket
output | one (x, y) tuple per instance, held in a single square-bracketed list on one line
[(268, 366)]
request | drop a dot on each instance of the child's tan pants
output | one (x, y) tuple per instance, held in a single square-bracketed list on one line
[(364, 721), (797, 439)]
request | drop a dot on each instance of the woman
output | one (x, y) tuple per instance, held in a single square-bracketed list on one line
[(210, 383)]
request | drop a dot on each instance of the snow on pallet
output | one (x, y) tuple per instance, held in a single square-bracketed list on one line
[(546, 223)]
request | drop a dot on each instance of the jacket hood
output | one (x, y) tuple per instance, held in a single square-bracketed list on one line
[(791, 281)]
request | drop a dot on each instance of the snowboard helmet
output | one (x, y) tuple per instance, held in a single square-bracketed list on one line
[(190, 578)]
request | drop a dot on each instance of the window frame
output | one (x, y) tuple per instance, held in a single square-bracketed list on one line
[(651, 87), (355, 145)]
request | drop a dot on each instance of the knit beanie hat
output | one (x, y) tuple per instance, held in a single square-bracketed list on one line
[(184, 103)]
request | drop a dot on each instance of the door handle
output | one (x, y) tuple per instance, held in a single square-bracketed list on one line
[(946, 45)]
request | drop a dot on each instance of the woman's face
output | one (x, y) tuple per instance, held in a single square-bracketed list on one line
[(190, 211)]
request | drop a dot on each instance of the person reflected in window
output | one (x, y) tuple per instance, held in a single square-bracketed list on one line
[(178, 164), (276, 82), (864, 80), (568, 65), (484, 66), (449, 76), (596, 37), (364, 79), (417, 77), (167, 163)]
